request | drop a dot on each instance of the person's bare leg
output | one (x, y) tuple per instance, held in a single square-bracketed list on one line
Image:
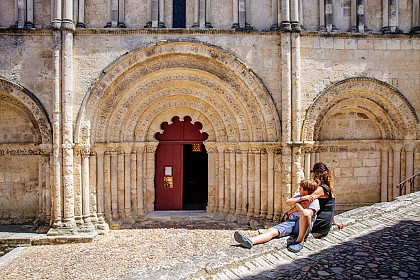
[(304, 222), (266, 236)]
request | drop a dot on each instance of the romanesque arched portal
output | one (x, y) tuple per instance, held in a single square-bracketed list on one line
[(25, 146), (147, 87), (365, 129)]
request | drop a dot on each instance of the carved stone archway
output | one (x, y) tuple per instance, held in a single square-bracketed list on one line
[(147, 87)]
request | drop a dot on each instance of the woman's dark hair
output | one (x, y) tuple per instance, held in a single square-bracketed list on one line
[(322, 175)]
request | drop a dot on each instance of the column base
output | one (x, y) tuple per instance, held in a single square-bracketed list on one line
[(296, 27), (285, 26), (274, 27), (391, 30), (415, 30), (80, 25)]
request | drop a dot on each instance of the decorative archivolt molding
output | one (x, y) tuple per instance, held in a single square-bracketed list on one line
[(30, 105), (397, 121), (146, 87)]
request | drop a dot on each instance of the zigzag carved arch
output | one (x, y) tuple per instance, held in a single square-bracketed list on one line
[(30, 107), (150, 85), (387, 108)]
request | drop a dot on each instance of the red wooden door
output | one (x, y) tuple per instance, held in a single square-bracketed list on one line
[(169, 161)]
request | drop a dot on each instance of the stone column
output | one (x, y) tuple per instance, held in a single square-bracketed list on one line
[(409, 164), (257, 184), (93, 203), (114, 14), (158, 13), (322, 15), (100, 185), (264, 183), (56, 13), (329, 16), (121, 186), (114, 186), (238, 182), (232, 180), (149, 14), (47, 190), (397, 170), (244, 175), (274, 15), (202, 16), (242, 13), (20, 14), (270, 183), (132, 158), (358, 16), (308, 165), (212, 178), (161, 13), (390, 17), (128, 211), (140, 181), (81, 14), (294, 15), (393, 16), (285, 16), (67, 115), (56, 157), (85, 186), (221, 177), (208, 13), (149, 186), (196, 13), (121, 14), (107, 187), (416, 17), (384, 174), (296, 88), (29, 22), (250, 182), (235, 14), (68, 16)]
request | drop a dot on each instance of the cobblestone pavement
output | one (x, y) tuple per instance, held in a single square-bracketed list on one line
[(378, 242)]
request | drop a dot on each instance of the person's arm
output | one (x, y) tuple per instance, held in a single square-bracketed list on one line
[(319, 192), (339, 225), (294, 200)]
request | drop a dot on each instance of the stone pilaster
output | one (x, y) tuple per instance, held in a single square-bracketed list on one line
[(416, 17)]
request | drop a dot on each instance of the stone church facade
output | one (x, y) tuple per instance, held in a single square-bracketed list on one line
[(273, 86)]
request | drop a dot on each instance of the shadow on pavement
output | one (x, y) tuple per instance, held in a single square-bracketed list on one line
[(390, 253)]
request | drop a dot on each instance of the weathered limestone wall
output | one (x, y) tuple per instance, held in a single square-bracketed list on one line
[(327, 60), (27, 58), (19, 188)]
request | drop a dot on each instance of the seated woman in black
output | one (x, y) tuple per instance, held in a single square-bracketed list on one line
[(326, 196)]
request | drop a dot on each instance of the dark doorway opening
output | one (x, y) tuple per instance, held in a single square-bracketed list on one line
[(179, 14), (195, 187)]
